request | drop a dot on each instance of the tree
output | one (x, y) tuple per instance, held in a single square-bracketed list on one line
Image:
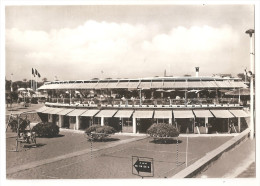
[(44, 79)]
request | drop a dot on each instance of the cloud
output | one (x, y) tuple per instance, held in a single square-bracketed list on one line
[(126, 48)]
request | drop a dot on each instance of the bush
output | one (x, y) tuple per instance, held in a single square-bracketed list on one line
[(162, 130), (97, 132), (46, 129)]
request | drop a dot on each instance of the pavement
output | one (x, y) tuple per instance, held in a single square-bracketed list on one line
[(238, 162)]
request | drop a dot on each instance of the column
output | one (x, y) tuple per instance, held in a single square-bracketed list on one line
[(206, 124), (50, 118), (239, 124), (102, 121), (61, 121), (134, 125), (77, 123), (170, 121)]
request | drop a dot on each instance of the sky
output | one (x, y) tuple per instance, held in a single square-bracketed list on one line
[(126, 41)]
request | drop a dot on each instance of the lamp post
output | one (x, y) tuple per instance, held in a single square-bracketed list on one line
[(252, 127)]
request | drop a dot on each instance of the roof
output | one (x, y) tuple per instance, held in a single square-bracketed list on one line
[(183, 114), (162, 114), (106, 113), (76, 112), (124, 114), (65, 111), (143, 114), (239, 113), (222, 114), (90, 113), (203, 114)]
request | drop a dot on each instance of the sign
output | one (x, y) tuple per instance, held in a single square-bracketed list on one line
[(142, 166)]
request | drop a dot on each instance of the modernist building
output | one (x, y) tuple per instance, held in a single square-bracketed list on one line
[(193, 104)]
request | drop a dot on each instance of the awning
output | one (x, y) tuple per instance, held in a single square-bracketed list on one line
[(133, 85), (239, 113), (195, 84), (180, 84), (56, 110), (42, 109), (157, 84), (183, 114), (90, 113), (145, 85), (124, 114), (143, 114), (203, 114), (48, 111), (65, 111), (162, 114), (167, 84), (222, 114), (122, 85), (106, 113), (76, 112), (101, 85)]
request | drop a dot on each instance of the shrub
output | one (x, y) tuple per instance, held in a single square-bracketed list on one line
[(46, 129), (97, 132), (162, 130)]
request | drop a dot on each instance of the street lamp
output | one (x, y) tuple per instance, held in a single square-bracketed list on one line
[(252, 127)]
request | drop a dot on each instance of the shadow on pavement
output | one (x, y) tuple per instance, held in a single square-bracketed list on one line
[(165, 141)]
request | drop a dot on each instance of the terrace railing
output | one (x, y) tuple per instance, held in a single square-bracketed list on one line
[(144, 102)]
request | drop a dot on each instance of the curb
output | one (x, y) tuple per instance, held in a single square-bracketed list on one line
[(210, 157)]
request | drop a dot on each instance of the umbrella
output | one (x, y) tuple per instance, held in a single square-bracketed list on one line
[(21, 89), (196, 91), (243, 92), (169, 90), (160, 90), (77, 92)]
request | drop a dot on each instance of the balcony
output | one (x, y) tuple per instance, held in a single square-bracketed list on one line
[(144, 103)]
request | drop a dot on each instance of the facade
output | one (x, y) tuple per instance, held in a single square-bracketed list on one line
[(193, 104)]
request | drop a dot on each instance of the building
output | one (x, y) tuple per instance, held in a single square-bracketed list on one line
[(193, 104)]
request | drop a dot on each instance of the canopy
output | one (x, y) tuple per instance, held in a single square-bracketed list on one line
[(76, 112), (162, 114), (65, 111), (90, 113), (143, 114), (203, 114), (124, 114), (56, 110), (42, 109), (48, 111), (239, 113), (106, 113), (222, 114), (183, 114), (237, 92)]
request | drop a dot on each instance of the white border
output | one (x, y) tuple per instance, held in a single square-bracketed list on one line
[(115, 182)]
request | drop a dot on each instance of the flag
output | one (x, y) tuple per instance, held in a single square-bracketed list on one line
[(36, 73), (33, 72), (39, 75)]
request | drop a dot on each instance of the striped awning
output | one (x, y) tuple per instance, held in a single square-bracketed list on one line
[(162, 114), (90, 113), (65, 111), (42, 109), (106, 113), (124, 114), (183, 114), (239, 113), (203, 114), (222, 114), (143, 114), (76, 112)]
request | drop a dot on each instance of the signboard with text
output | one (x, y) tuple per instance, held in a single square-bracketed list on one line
[(142, 166)]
